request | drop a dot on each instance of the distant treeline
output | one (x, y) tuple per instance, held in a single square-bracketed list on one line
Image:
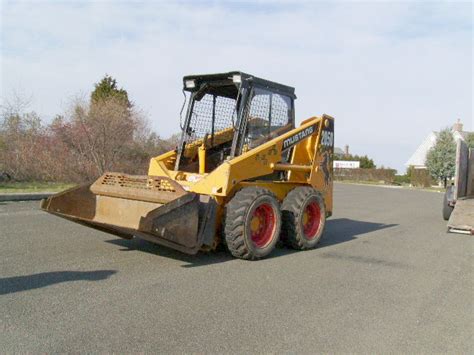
[(102, 133)]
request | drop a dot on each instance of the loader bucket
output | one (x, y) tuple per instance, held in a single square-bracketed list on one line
[(154, 208)]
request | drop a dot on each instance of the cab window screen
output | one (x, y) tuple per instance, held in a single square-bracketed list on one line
[(269, 115), (210, 114)]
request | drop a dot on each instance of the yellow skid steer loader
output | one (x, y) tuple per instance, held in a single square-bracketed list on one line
[(242, 175)]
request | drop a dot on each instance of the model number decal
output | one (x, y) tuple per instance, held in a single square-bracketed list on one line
[(327, 138), (291, 141)]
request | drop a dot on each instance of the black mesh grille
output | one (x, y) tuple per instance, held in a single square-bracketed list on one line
[(201, 117), (268, 114), (280, 110), (260, 108)]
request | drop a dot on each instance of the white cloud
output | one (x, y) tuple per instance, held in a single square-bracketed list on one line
[(388, 72)]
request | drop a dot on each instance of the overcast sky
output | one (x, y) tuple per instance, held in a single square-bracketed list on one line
[(389, 72)]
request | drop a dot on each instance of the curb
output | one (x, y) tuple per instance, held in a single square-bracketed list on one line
[(409, 188), (370, 185), (34, 196)]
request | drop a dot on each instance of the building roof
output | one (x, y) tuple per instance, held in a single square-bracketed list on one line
[(463, 134), (419, 157)]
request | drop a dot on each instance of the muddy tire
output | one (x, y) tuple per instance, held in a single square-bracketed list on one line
[(252, 223), (304, 218)]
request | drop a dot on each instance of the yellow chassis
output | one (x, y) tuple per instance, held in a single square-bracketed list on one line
[(310, 164)]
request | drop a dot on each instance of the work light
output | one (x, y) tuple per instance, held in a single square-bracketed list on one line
[(237, 79), (190, 84)]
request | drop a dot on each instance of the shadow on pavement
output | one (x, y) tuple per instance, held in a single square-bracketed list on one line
[(342, 230), (200, 259), (44, 279), (337, 231)]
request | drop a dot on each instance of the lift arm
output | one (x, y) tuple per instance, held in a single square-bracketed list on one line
[(311, 160)]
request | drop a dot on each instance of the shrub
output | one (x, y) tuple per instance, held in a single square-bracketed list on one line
[(385, 175), (79, 145), (421, 178)]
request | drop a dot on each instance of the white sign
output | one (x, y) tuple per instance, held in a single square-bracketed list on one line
[(346, 164)]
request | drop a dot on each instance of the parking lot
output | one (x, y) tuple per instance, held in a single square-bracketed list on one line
[(386, 278)]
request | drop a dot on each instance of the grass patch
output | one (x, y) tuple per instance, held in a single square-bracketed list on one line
[(22, 187)]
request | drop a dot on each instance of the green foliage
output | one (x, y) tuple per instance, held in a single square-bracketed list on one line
[(441, 158), (107, 89), (407, 178), (365, 161), (32, 186), (470, 140), (420, 178), (401, 179), (386, 176)]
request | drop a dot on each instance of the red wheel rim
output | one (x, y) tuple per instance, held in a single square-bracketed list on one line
[(262, 225), (311, 220)]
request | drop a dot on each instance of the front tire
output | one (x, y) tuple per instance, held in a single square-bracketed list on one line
[(304, 218), (252, 223)]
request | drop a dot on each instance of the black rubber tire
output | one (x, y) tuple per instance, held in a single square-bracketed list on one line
[(292, 209), (447, 209), (238, 215)]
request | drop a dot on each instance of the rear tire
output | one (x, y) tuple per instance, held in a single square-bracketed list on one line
[(447, 209), (304, 218), (252, 223)]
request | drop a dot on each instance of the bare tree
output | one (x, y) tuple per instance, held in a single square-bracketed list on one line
[(79, 145), (15, 104), (21, 133), (102, 134)]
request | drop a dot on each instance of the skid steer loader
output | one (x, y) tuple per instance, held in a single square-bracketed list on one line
[(242, 175)]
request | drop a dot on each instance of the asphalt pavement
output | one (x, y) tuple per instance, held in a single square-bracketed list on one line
[(385, 278)]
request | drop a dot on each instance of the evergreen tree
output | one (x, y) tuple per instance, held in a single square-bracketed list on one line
[(366, 162), (470, 140), (441, 158), (107, 89)]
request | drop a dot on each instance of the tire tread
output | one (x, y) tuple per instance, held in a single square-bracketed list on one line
[(291, 212), (234, 222)]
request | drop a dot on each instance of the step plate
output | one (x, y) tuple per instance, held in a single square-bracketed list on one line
[(462, 217), (156, 189)]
